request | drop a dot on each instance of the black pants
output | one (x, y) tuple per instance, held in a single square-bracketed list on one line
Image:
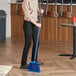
[(30, 32)]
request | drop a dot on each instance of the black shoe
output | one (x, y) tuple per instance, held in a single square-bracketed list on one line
[(24, 66), (40, 63)]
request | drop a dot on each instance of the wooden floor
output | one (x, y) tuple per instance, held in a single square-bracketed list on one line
[(54, 65)]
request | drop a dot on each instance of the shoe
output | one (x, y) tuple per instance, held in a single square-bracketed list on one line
[(24, 66), (40, 63)]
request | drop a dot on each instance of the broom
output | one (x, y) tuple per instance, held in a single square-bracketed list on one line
[(34, 66)]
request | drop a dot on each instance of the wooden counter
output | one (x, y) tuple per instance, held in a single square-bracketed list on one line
[(51, 26)]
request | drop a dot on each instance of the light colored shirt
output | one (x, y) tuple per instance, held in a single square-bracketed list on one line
[(30, 9)]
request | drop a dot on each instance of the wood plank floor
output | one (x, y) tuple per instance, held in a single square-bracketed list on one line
[(54, 65)]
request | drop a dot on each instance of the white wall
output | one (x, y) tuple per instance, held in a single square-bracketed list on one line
[(4, 5)]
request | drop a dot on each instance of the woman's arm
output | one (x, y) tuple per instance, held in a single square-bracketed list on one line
[(26, 9), (27, 12), (39, 11), (35, 23)]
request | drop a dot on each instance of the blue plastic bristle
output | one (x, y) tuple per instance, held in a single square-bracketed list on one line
[(34, 67)]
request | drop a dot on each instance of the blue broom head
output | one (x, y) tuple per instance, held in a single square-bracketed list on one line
[(34, 67)]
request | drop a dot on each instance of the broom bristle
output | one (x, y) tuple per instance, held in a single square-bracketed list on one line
[(34, 67)]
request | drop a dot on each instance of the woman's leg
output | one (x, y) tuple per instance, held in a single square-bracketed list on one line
[(27, 34), (34, 37)]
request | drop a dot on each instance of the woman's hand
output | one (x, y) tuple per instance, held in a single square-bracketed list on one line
[(38, 24), (41, 11), (35, 23)]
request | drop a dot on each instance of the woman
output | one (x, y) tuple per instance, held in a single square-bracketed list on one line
[(30, 27)]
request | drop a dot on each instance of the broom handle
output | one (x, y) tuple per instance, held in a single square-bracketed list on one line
[(38, 35)]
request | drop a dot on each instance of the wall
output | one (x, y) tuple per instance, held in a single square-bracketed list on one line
[(4, 5), (51, 29)]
